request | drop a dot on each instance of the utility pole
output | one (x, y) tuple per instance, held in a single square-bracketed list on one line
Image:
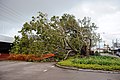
[(104, 46), (113, 46), (116, 43), (99, 41), (99, 44)]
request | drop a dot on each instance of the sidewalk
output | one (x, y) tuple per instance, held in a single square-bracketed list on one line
[(107, 54)]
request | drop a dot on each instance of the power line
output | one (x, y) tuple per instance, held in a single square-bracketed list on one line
[(8, 11), (11, 10), (10, 19), (10, 14)]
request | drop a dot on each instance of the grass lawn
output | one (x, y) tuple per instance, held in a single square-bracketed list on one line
[(94, 62)]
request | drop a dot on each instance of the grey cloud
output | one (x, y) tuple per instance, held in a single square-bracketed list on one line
[(30, 7), (14, 12)]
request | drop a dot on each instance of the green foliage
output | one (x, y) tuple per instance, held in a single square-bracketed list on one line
[(42, 35), (94, 62), (100, 60)]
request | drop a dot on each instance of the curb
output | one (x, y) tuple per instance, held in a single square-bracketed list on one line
[(87, 70)]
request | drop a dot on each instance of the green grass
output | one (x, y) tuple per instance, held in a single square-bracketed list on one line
[(94, 62)]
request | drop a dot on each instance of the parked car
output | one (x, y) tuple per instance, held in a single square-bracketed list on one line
[(118, 52)]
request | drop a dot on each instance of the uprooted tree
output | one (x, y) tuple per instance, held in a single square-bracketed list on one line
[(59, 34)]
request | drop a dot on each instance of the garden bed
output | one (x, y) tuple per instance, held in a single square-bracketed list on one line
[(106, 63)]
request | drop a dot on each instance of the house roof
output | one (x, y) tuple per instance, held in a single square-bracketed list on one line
[(7, 39)]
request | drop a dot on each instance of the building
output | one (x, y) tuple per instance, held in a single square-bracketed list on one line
[(5, 43)]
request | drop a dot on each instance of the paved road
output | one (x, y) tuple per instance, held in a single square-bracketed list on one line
[(47, 71)]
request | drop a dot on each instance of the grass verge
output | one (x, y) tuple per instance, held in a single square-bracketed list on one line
[(106, 63)]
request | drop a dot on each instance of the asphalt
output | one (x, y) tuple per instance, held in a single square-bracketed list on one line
[(15, 70)]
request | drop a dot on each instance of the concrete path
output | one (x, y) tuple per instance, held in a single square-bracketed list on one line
[(10, 70), (106, 54)]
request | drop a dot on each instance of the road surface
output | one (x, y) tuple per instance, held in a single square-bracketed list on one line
[(14, 70)]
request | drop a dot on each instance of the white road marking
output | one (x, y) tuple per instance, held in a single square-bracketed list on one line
[(52, 66), (45, 70)]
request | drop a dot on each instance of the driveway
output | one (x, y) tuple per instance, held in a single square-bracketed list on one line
[(14, 70)]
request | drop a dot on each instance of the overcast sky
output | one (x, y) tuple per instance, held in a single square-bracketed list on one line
[(105, 13)]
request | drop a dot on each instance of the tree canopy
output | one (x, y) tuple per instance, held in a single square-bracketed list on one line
[(57, 34)]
